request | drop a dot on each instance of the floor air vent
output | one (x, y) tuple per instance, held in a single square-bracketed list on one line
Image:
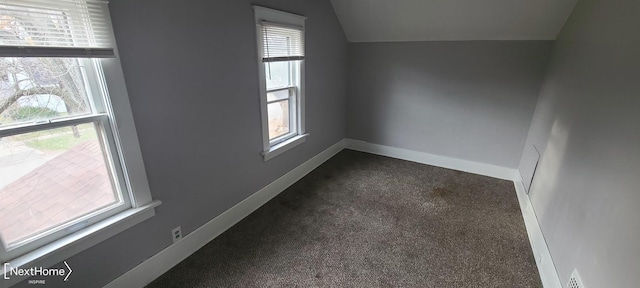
[(575, 281)]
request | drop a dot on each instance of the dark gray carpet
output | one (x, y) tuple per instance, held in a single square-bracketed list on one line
[(361, 220)]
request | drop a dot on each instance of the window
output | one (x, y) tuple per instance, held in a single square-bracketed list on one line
[(66, 170), (281, 64)]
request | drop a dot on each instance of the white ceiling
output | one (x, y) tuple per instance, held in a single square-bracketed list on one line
[(441, 20)]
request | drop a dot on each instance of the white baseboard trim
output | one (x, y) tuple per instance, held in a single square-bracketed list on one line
[(160, 263), (546, 268), (434, 160)]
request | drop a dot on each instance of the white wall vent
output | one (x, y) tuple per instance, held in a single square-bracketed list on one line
[(574, 280)]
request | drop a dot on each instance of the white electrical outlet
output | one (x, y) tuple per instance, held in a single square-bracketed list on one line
[(176, 234)]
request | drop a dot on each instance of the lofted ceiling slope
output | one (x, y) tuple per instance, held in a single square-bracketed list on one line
[(451, 20)]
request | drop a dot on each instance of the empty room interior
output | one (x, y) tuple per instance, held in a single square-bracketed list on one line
[(319, 143)]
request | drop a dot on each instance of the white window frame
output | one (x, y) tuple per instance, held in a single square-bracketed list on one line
[(297, 134), (126, 162)]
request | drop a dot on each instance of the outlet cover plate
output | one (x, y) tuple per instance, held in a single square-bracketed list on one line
[(176, 234)]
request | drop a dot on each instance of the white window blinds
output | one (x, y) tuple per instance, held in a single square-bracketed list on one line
[(54, 28), (281, 43)]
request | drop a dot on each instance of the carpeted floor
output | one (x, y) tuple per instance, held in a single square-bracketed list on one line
[(361, 220)]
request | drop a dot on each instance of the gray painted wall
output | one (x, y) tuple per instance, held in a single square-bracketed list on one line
[(192, 77), (587, 124), (467, 100)]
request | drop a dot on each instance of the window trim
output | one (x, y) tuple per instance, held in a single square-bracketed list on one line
[(102, 125), (275, 147), (125, 142), (65, 247), (293, 110)]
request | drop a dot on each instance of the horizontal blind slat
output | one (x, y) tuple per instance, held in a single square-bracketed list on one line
[(47, 24), (47, 8), (282, 43), (8, 51), (280, 59)]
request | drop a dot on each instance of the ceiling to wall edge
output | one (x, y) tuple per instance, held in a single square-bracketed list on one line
[(570, 6)]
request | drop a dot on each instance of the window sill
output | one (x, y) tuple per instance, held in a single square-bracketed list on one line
[(284, 146), (61, 249)]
